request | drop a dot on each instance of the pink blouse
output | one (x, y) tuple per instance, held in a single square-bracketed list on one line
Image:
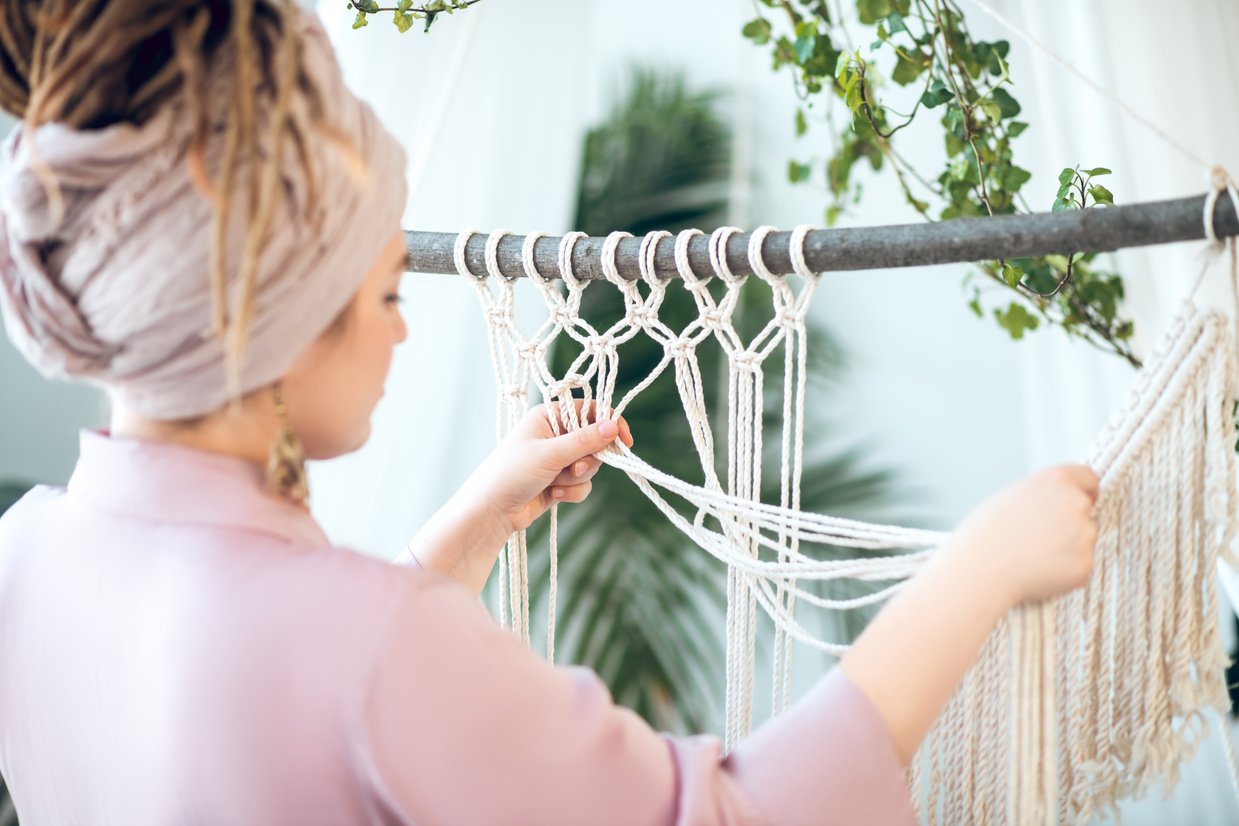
[(177, 647)]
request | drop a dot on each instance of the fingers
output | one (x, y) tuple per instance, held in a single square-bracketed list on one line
[(586, 413), (571, 494), (565, 451), (1084, 478), (581, 471)]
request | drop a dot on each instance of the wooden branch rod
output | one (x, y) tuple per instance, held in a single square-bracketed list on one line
[(865, 248)]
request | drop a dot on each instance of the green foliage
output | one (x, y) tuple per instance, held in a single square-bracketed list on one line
[(404, 12), (926, 46), (637, 602)]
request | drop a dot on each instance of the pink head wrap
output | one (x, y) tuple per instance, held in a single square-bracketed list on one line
[(118, 293)]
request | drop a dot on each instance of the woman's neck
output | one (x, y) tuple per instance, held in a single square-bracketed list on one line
[(246, 433)]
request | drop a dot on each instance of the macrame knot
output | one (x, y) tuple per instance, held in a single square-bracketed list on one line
[(746, 361), (565, 386), (512, 391), (788, 318), (682, 347), (643, 315), (599, 345)]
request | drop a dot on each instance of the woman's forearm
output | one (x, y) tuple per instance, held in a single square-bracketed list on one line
[(461, 541), (916, 651)]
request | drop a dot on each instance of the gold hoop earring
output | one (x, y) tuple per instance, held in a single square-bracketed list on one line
[(286, 475)]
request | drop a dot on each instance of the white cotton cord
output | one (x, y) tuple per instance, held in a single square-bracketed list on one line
[(492, 254), (528, 249), (649, 250), (553, 586), (567, 244), (1088, 81), (1072, 705)]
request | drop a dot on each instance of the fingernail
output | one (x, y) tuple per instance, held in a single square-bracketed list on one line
[(579, 468), (608, 429), (557, 493)]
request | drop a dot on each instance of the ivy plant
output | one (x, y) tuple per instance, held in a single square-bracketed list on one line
[(919, 57), (405, 13)]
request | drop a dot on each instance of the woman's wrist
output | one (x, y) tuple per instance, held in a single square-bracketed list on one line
[(980, 574), (461, 541)]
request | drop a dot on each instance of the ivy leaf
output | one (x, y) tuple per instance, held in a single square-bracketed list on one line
[(1096, 172), (1015, 128), (1016, 320), (1101, 195), (802, 125), (871, 11), (1012, 275), (909, 67), (798, 172), (1067, 176), (804, 47), (936, 95), (360, 20), (1061, 204), (1014, 178), (1010, 106), (758, 31), (894, 22), (404, 5)]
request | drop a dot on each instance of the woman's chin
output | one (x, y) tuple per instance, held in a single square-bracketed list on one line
[(341, 445)]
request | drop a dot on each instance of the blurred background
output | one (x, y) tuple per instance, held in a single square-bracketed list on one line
[(540, 115)]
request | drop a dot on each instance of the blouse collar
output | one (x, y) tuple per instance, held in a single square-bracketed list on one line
[(165, 482)]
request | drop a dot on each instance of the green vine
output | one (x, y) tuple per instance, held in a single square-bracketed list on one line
[(925, 45), (405, 13)]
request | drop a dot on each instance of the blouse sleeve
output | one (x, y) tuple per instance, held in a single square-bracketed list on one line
[(463, 724)]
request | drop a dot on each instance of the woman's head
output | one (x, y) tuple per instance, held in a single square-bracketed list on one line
[(192, 188), (335, 384)]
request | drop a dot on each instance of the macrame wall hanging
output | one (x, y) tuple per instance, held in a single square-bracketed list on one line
[(1073, 704)]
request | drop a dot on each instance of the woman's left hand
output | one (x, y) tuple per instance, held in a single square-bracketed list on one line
[(531, 470)]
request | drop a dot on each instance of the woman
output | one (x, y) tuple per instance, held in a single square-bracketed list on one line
[(189, 215)]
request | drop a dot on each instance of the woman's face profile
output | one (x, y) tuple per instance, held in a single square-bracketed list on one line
[(334, 385)]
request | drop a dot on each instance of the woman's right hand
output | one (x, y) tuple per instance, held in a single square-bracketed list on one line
[(1034, 538)]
